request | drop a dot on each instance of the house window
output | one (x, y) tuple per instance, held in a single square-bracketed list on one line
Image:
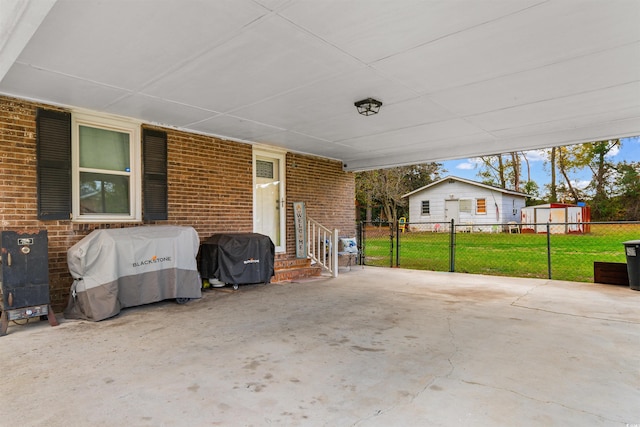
[(88, 168), (106, 169), (465, 206), (481, 206), (425, 208)]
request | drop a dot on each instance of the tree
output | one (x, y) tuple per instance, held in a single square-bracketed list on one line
[(526, 160), (553, 191), (386, 187), (365, 181), (565, 160), (594, 155), (503, 170), (515, 169), (565, 164), (531, 188), (493, 171), (628, 184)]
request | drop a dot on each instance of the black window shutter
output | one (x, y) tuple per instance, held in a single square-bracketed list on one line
[(154, 158), (53, 154)]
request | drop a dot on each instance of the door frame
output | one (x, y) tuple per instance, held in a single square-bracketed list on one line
[(281, 157)]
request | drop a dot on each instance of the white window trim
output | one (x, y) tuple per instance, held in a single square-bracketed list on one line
[(116, 124)]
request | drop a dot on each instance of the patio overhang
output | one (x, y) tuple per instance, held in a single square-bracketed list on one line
[(456, 79)]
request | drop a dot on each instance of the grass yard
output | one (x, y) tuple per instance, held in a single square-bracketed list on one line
[(503, 254)]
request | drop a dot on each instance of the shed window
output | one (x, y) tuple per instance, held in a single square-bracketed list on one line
[(481, 206), (425, 208)]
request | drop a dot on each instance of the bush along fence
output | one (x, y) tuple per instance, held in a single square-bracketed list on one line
[(560, 251)]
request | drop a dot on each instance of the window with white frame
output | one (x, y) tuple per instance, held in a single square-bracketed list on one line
[(426, 209), (465, 205), (106, 169)]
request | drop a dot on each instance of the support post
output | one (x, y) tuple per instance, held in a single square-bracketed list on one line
[(549, 250), (452, 247), (361, 242), (334, 253), (391, 245), (398, 244)]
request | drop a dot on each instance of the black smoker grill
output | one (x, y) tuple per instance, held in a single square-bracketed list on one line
[(237, 258), (24, 275)]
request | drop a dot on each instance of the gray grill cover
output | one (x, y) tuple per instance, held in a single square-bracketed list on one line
[(124, 267)]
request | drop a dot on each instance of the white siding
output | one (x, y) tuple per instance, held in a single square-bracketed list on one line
[(456, 190), (511, 209)]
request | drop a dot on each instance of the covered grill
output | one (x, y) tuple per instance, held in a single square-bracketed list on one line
[(237, 258), (124, 267)]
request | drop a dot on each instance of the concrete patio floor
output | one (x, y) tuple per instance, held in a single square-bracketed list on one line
[(374, 347)]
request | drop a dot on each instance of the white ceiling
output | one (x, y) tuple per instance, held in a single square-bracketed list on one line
[(457, 78)]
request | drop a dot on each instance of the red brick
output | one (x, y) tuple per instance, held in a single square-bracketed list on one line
[(210, 189)]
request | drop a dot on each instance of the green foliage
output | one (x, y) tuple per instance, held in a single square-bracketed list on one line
[(612, 192), (628, 185), (531, 188), (385, 187)]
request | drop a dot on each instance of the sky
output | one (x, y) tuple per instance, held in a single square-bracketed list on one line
[(540, 172)]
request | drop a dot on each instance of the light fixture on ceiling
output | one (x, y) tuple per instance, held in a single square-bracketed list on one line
[(368, 107)]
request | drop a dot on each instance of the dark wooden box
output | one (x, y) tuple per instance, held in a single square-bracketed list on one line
[(611, 273)]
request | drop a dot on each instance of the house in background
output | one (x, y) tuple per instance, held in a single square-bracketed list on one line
[(465, 202)]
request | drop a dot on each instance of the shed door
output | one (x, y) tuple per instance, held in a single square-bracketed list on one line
[(451, 211)]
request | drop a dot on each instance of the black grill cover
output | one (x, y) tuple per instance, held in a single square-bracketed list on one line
[(237, 258)]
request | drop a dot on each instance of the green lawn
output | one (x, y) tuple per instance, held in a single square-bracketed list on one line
[(503, 254)]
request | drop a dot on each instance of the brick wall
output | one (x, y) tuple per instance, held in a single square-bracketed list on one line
[(328, 193), (210, 189), (210, 183)]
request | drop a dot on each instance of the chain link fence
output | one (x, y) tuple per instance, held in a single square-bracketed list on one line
[(561, 251)]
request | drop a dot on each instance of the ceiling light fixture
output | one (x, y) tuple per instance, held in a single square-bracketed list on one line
[(368, 107)]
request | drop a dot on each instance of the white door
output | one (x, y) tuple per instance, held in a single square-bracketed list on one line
[(451, 211), (268, 197)]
